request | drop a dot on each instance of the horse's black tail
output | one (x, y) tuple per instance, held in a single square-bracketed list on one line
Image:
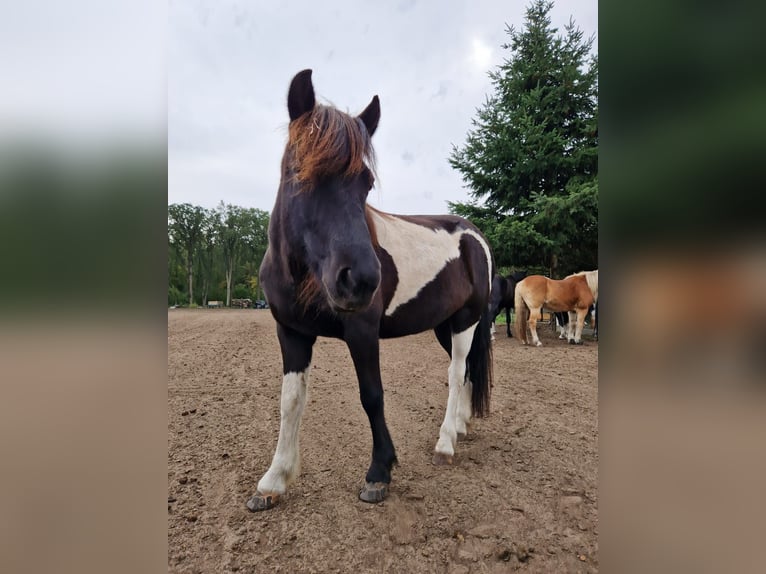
[(479, 368)]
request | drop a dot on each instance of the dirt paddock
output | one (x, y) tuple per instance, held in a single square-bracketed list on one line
[(521, 495)]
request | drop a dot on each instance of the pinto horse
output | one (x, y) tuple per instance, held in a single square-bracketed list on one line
[(575, 294), (336, 267), (503, 289)]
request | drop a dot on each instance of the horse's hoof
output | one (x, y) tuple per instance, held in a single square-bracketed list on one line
[(260, 501), (373, 492), (538, 344), (441, 459), (573, 342)]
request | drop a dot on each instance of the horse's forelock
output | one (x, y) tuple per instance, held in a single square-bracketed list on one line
[(329, 143)]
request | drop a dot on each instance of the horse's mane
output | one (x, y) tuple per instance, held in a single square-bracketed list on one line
[(592, 279), (327, 142)]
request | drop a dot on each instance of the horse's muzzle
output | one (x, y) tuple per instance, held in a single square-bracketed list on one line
[(354, 288)]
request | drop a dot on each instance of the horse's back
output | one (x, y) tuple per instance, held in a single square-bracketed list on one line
[(533, 289), (556, 294), (431, 267)]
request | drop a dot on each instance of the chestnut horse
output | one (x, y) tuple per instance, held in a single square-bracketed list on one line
[(574, 294), (336, 267)]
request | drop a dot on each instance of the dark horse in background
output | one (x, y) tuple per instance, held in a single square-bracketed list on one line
[(336, 267), (503, 289)]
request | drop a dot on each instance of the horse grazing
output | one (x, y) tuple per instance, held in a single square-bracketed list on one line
[(503, 289), (575, 294), (336, 267)]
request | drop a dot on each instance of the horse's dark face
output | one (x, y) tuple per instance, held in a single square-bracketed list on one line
[(324, 192), (337, 248)]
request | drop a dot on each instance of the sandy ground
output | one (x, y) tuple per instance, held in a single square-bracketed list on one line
[(522, 494)]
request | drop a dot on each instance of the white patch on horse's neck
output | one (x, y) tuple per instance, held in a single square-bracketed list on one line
[(419, 254)]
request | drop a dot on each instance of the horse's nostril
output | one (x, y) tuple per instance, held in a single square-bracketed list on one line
[(345, 282)]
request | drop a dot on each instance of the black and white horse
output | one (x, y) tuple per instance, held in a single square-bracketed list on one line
[(335, 267)]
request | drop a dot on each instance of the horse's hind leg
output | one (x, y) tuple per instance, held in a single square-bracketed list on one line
[(534, 317), (444, 336), (445, 446), (285, 466)]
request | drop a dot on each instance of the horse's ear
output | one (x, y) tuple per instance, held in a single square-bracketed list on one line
[(300, 98), (371, 115)]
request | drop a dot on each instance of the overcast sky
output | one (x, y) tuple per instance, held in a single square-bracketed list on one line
[(230, 64)]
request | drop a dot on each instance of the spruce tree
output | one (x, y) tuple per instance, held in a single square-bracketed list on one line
[(531, 156)]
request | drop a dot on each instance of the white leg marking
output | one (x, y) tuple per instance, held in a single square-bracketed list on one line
[(534, 317), (285, 465), (461, 344), (571, 325), (463, 407)]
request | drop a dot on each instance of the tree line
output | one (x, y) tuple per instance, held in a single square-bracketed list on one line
[(215, 254)]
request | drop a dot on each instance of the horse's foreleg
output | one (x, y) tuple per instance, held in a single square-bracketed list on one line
[(445, 446), (580, 322), (365, 353), (571, 326), (534, 317), (508, 321), (285, 466)]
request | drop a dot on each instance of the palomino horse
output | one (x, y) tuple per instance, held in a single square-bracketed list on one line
[(335, 267), (575, 294), (503, 289)]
